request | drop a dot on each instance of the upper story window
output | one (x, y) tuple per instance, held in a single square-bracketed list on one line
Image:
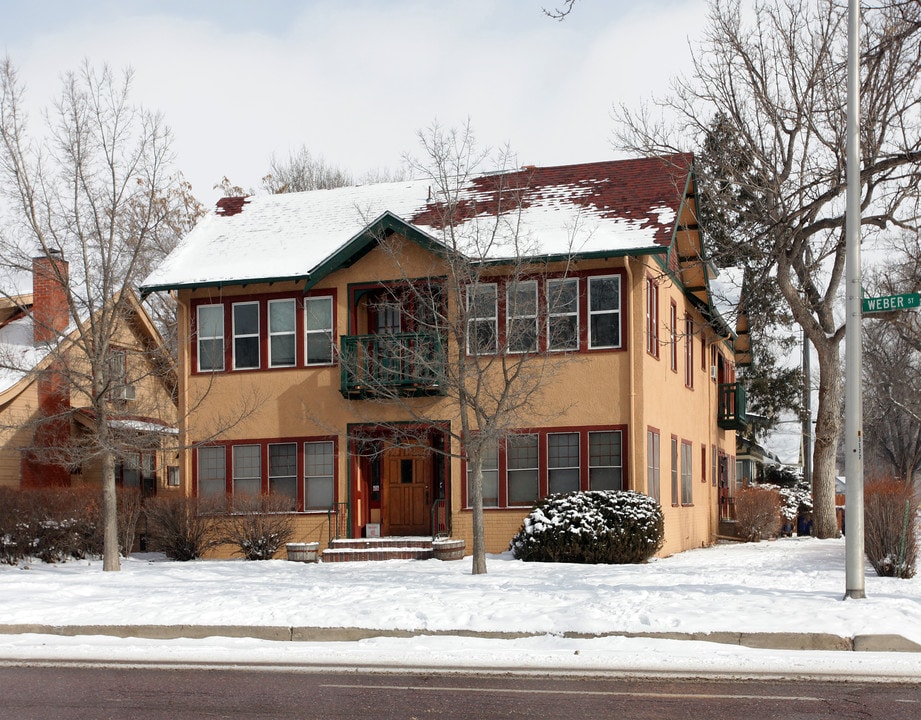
[(521, 310), (482, 319), (282, 332), (604, 311), (318, 330), (673, 337), (563, 314), (210, 328), (652, 317), (245, 335), (688, 351)]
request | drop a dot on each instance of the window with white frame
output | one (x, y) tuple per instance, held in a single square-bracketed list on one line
[(212, 471), (283, 471), (522, 469), (490, 457), (563, 314), (604, 311), (688, 352), (247, 470), (482, 319), (210, 327), (563, 462), (521, 310), (282, 329), (318, 330), (652, 463), (245, 335), (319, 475), (687, 485), (673, 336), (652, 317), (674, 470), (605, 460)]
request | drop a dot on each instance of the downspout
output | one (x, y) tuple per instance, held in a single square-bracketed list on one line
[(631, 432)]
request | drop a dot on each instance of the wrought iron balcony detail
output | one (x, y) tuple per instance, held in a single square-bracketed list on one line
[(391, 364), (732, 414)]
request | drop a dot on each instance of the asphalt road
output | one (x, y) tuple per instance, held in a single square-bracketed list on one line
[(77, 693)]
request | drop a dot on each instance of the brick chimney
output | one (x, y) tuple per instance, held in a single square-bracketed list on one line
[(50, 313)]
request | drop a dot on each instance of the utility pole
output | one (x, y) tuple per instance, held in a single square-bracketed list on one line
[(853, 354)]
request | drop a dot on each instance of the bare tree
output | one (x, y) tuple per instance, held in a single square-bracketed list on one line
[(304, 171), (488, 381), (91, 187), (776, 86)]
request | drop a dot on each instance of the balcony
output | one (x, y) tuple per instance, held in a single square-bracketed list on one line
[(391, 365), (731, 414)]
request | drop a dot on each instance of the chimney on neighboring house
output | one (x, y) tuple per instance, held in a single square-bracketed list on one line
[(50, 312)]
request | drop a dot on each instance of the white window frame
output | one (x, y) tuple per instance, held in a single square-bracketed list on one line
[(553, 313), (237, 472), (619, 440), (330, 478), (246, 336), (329, 331), (577, 467), (687, 473), (526, 318), (529, 469), (473, 320), (653, 465), (292, 333), (200, 327), (212, 452), (592, 280)]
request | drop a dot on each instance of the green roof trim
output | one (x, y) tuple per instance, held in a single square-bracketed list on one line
[(384, 226)]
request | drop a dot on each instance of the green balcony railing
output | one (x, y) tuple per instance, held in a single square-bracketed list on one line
[(731, 413), (404, 364)]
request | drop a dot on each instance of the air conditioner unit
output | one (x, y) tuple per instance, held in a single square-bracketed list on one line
[(713, 372), (125, 392)]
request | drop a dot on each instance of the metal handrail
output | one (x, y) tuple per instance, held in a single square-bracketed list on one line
[(339, 511), (441, 521), (375, 363)]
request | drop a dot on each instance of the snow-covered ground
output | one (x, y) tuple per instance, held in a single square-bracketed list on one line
[(793, 585)]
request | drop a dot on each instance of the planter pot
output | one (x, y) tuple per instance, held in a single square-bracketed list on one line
[(449, 549), (303, 552)]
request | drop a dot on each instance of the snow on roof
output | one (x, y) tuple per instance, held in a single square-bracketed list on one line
[(616, 207)]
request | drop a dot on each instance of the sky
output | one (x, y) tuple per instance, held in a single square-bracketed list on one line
[(355, 81), (793, 585)]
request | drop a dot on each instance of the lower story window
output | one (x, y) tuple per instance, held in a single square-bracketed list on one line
[(563, 462), (319, 465), (247, 470), (283, 472), (605, 460), (523, 469), (490, 477), (212, 472)]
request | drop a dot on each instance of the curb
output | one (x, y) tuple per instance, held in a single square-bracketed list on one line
[(759, 640)]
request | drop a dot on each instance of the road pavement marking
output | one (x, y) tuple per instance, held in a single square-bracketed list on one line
[(625, 693)]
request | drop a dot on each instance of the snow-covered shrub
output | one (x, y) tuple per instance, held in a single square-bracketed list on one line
[(180, 527), (758, 512), (602, 526), (258, 525), (890, 540)]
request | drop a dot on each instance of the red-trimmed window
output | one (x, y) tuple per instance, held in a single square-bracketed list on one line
[(246, 348), (319, 334), (652, 462), (562, 314), (687, 486), (652, 317), (604, 322), (688, 351), (209, 331), (674, 468), (673, 336)]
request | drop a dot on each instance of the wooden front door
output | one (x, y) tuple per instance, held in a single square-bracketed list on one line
[(407, 497)]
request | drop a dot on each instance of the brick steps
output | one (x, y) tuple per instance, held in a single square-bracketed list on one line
[(371, 549)]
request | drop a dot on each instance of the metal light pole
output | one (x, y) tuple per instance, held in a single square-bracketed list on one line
[(853, 356)]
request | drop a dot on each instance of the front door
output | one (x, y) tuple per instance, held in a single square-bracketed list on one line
[(407, 485)]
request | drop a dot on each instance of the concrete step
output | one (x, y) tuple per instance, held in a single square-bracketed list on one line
[(385, 548)]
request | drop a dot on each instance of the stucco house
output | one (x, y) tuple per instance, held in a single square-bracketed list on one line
[(308, 352), (44, 413)]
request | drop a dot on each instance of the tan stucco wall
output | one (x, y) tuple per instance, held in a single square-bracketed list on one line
[(626, 388)]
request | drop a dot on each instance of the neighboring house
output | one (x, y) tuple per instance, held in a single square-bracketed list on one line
[(284, 298), (44, 418)]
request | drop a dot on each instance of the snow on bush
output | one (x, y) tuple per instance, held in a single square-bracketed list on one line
[(602, 526)]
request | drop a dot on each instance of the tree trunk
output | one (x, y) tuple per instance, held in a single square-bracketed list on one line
[(827, 435), (110, 556), (476, 503)]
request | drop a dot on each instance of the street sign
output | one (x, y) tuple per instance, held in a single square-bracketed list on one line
[(892, 302)]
